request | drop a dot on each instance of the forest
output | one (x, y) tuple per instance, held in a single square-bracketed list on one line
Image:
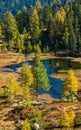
[(15, 5), (55, 27), (40, 65)]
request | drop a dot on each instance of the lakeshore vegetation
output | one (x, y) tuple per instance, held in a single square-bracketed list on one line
[(50, 27)]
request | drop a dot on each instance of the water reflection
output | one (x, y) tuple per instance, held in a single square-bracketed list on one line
[(51, 67)]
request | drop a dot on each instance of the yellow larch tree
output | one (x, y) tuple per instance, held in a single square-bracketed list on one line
[(26, 82), (70, 86), (12, 87), (67, 119), (26, 125), (60, 15)]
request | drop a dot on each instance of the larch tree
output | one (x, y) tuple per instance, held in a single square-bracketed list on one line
[(26, 82), (40, 74), (12, 87), (37, 49), (70, 87), (67, 119), (38, 118), (9, 26), (26, 125), (60, 15), (29, 46), (19, 43)]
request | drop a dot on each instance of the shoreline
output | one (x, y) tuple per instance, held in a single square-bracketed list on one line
[(51, 108), (10, 58)]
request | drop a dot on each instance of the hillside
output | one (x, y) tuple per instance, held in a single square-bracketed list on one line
[(16, 5)]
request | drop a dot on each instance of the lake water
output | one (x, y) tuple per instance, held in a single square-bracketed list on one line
[(51, 67)]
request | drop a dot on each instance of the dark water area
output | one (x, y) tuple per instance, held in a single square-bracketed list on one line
[(52, 65)]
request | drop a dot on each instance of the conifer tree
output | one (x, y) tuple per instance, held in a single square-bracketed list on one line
[(26, 125), (77, 33), (38, 7), (29, 46), (72, 36), (60, 15), (37, 49), (26, 82), (19, 43), (40, 75), (11, 87), (22, 19), (11, 45), (67, 119), (1, 37), (46, 15), (38, 118), (34, 29), (66, 39), (51, 29), (70, 87), (9, 25)]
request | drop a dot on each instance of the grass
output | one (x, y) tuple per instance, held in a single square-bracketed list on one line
[(60, 75)]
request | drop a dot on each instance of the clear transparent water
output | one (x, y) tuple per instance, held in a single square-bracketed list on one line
[(51, 67)]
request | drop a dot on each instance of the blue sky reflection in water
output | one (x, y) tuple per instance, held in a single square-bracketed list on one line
[(50, 65)]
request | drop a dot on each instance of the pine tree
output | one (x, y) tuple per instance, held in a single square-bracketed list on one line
[(34, 29), (40, 75)]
